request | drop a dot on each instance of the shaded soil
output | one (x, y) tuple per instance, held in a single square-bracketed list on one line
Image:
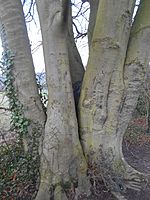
[(136, 145), (138, 156)]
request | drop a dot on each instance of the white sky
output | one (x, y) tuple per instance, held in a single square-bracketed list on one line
[(35, 41), (36, 47)]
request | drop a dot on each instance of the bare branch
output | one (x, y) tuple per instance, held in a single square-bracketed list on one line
[(4, 108)]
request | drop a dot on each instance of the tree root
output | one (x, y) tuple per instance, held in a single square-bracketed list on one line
[(117, 174)]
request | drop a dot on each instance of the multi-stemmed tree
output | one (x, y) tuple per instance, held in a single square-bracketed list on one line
[(81, 146)]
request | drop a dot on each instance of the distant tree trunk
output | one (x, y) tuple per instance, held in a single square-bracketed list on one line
[(75, 62)]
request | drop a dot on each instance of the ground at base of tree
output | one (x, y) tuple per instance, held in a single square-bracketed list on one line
[(136, 150), (137, 154)]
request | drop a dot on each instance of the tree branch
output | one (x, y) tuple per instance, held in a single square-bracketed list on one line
[(4, 108)]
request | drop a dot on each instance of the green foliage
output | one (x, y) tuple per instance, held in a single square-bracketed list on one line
[(19, 170), (142, 105), (18, 173), (18, 121)]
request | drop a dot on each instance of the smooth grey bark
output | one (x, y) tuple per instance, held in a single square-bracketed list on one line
[(15, 38), (111, 85), (105, 67), (63, 166), (75, 62), (92, 19), (11, 14), (115, 72)]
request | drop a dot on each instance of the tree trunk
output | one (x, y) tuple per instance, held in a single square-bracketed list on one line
[(63, 167), (15, 39), (118, 61), (92, 19), (105, 65), (75, 62), (111, 89)]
